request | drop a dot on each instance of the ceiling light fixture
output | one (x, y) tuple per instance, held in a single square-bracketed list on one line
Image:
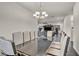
[(40, 14)]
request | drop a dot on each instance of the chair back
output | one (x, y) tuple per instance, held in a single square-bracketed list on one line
[(7, 47)]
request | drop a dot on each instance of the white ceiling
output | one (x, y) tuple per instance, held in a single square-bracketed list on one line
[(52, 8), (25, 10)]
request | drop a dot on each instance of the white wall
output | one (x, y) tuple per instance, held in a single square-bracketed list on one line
[(76, 28), (67, 25), (14, 18)]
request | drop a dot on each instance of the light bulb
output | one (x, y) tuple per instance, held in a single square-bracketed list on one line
[(43, 13), (46, 15), (37, 12), (34, 15)]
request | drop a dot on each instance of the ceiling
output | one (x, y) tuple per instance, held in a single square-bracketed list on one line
[(52, 8), (24, 10)]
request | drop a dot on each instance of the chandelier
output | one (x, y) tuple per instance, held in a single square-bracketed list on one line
[(40, 14)]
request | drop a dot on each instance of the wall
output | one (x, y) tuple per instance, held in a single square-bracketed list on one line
[(67, 25), (14, 18), (76, 28)]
